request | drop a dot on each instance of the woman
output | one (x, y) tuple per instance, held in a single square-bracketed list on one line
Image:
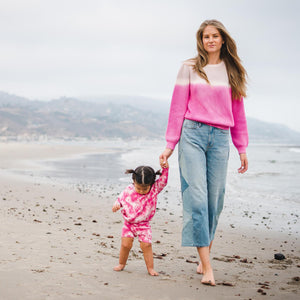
[(207, 101)]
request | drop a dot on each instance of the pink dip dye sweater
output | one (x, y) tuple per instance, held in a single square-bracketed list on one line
[(212, 104)]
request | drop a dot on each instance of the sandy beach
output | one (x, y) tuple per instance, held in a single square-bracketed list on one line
[(62, 242)]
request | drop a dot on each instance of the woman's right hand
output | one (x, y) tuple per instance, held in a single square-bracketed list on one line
[(163, 158)]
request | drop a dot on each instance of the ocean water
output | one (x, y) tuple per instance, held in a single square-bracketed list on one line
[(85, 169), (267, 195), (273, 169)]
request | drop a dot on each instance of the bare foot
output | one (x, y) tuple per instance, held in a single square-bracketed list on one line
[(208, 278), (199, 268), (119, 267), (152, 272)]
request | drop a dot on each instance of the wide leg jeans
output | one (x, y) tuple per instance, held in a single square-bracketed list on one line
[(203, 158)]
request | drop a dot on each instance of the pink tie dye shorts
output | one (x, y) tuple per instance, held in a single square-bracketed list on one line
[(141, 230)]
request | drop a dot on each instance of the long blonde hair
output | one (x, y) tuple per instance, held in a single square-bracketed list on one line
[(236, 72)]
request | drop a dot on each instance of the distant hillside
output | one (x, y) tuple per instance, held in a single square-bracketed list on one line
[(112, 116), (263, 132), (72, 118)]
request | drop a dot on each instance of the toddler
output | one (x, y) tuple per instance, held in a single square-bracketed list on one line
[(138, 203)]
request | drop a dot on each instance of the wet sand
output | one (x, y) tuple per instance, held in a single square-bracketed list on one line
[(62, 242)]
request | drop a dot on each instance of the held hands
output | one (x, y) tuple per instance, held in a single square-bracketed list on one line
[(244, 163), (116, 207), (164, 165), (163, 158)]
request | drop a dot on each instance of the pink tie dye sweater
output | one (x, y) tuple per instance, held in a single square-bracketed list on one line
[(137, 208), (212, 104)]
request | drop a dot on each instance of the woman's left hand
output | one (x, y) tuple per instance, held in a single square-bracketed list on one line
[(163, 158), (244, 163)]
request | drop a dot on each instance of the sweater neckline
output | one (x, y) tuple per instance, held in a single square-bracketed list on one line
[(215, 65)]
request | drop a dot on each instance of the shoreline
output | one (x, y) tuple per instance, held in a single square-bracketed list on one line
[(59, 242)]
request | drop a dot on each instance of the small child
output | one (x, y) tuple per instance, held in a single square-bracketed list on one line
[(138, 202)]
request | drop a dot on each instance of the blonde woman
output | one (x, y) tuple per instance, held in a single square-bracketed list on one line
[(207, 106)]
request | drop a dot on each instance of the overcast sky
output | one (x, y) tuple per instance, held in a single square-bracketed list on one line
[(54, 48)]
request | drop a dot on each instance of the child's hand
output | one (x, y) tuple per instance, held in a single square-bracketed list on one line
[(164, 165), (116, 207)]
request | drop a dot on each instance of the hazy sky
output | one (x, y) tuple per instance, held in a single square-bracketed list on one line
[(53, 48)]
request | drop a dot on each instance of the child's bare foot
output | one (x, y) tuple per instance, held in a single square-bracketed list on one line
[(152, 272), (119, 267), (208, 278), (199, 268)]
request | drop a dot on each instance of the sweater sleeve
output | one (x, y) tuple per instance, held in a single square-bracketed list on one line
[(161, 182), (239, 132), (178, 106)]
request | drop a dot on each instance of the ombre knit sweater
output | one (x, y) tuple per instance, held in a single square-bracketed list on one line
[(212, 104)]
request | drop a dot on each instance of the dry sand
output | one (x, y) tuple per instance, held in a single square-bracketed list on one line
[(61, 243)]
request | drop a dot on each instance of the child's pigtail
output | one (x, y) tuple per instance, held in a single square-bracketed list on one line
[(130, 171), (158, 172), (155, 174)]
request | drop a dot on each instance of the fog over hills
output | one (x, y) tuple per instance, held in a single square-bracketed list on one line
[(105, 117)]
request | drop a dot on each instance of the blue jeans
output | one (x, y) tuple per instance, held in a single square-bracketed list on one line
[(203, 158)]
